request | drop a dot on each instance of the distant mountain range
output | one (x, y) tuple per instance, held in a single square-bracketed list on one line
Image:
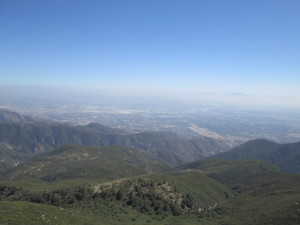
[(20, 137), (7, 116), (285, 156)]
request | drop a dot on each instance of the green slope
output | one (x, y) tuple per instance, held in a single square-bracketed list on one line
[(145, 199), (204, 190), (209, 191), (173, 193), (72, 161), (284, 156), (271, 200), (231, 172), (25, 213), (263, 194)]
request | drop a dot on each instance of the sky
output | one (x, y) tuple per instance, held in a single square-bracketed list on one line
[(171, 47)]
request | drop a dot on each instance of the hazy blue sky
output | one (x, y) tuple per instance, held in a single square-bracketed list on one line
[(211, 46)]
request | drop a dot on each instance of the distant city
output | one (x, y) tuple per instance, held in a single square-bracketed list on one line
[(233, 125)]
